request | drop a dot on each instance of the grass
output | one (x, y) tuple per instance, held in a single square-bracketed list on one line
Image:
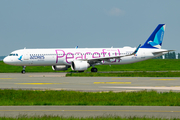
[(148, 65), (45, 117), (48, 97), (17, 69), (126, 74)]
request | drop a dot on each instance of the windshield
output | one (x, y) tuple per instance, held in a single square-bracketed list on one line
[(13, 54)]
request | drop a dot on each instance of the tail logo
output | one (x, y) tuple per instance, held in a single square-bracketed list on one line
[(156, 38)]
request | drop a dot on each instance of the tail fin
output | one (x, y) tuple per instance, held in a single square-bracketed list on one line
[(156, 38)]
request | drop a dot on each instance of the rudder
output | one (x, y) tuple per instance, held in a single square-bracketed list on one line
[(156, 38)]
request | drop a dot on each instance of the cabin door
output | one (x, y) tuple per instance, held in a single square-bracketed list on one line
[(26, 55)]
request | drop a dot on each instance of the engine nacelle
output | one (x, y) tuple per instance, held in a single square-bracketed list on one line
[(60, 67), (79, 65)]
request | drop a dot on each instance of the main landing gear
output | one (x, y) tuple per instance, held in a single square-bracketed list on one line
[(94, 69), (23, 71)]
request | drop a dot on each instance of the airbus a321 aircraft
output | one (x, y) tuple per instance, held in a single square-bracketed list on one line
[(79, 59)]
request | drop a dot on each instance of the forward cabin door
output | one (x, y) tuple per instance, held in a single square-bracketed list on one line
[(26, 54)]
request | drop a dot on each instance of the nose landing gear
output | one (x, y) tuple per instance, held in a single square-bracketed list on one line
[(23, 71)]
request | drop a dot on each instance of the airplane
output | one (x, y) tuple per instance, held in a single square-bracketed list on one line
[(80, 59)]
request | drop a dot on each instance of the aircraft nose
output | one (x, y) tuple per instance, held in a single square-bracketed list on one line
[(6, 60)]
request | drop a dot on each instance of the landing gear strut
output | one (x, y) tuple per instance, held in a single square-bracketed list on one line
[(23, 71), (94, 69)]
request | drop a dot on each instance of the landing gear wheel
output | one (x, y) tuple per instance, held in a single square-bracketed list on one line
[(94, 70), (23, 71)]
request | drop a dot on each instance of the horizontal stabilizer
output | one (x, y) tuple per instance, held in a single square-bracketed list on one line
[(161, 52)]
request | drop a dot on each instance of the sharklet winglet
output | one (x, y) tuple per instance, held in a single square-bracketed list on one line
[(136, 50)]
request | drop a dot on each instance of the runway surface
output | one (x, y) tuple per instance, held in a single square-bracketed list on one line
[(92, 111), (57, 81)]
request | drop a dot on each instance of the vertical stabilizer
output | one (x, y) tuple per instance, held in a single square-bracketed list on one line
[(156, 38)]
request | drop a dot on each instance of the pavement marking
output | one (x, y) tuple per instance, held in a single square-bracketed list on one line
[(47, 76), (158, 111), (112, 82), (37, 83), (123, 78), (151, 88), (163, 79)]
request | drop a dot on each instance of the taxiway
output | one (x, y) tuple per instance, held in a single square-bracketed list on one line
[(92, 111), (58, 81)]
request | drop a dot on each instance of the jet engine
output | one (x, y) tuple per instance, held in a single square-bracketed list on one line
[(79, 65), (60, 67)]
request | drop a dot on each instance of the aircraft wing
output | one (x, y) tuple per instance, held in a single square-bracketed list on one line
[(112, 57)]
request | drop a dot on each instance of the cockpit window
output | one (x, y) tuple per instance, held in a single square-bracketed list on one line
[(12, 54)]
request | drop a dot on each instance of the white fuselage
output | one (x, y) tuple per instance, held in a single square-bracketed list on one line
[(47, 57), (80, 59)]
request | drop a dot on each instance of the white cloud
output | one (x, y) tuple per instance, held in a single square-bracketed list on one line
[(116, 12)]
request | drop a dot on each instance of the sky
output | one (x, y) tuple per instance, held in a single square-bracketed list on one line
[(86, 23)]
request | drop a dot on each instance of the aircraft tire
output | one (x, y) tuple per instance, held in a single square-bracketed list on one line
[(94, 70), (23, 71)]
